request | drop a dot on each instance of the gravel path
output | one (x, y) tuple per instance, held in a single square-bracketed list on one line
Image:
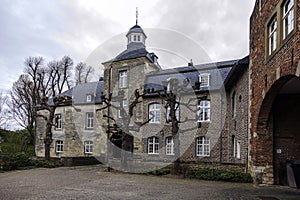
[(94, 183)]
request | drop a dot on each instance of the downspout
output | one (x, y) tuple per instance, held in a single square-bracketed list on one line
[(108, 123), (221, 123)]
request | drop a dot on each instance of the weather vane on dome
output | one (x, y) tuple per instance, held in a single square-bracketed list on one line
[(137, 16)]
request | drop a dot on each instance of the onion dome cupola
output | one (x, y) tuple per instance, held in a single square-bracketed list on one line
[(136, 36)]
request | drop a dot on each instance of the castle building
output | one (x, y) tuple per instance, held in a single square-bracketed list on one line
[(238, 114), (211, 111), (274, 89)]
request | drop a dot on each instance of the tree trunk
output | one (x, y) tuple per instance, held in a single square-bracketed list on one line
[(48, 138)]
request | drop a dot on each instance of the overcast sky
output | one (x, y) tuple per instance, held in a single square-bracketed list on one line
[(54, 28)]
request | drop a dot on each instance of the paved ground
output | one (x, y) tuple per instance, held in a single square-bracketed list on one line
[(94, 183)]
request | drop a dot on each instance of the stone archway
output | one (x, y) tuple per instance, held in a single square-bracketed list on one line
[(278, 129)]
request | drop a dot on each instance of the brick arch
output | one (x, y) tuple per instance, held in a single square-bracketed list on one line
[(266, 106), (262, 141)]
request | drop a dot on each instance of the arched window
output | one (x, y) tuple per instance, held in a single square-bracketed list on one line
[(153, 145), (154, 113)]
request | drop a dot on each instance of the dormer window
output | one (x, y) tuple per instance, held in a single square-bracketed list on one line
[(204, 80), (89, 98)]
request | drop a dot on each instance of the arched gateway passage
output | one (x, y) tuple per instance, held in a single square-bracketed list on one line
[(279, 126)]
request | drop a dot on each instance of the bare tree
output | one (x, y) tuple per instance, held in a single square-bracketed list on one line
[(3, 110), (53, 80), (120, 131), (25, 94), (83, 73), (173, 96)]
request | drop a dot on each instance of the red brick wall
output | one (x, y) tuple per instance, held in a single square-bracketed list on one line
[(267, 75)]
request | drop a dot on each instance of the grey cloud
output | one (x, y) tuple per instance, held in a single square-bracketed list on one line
[(221, 27)]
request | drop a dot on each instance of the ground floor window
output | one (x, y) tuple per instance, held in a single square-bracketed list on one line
[(88, 147), (59, 146), (203, 146), (169, 146), (153, 145)]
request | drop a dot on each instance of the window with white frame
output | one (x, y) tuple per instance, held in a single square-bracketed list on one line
[(59, 146), (123, 79), (288, 17), (233, 145), (203, 111), (89, 120), (154, 113), (123, 106), (203, 146), (88, 98), (88, 147), (169, 146), (204, 80), (58, 121), (168, 114), (153, 145), (272, 29), (238, 149)]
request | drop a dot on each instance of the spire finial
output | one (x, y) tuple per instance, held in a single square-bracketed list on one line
[(136, 16)]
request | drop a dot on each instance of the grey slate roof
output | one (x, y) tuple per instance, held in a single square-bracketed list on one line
[(131, 54), (221, 73), (218, 73), (135, 29), (80, 92)]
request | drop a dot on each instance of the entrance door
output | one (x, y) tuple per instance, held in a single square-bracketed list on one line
[(286, 129)]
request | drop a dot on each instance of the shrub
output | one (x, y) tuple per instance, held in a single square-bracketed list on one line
[(160, 172), (219, 175), (43, 163), (22, 161)]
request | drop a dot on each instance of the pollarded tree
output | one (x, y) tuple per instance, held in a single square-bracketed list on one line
[(119, 130), (53, 79)]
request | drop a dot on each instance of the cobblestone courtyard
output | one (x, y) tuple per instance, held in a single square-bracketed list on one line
[(94, 183)]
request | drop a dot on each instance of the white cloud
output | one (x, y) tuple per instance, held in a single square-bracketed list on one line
[(75, 28)]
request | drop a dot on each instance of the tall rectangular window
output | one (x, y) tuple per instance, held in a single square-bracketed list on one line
[(154, 113), (88, 147), (59, 146), (204, 80), (238, 149), (123, 106), (153, 145), (204, 111), (272, 29), (89, 120), (169, 118), (288, 17), (58, 121), (233, 105), (123, 83), (169, 146), (203, 146)]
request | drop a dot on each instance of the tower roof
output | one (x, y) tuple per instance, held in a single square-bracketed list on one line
[(135, 29)]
